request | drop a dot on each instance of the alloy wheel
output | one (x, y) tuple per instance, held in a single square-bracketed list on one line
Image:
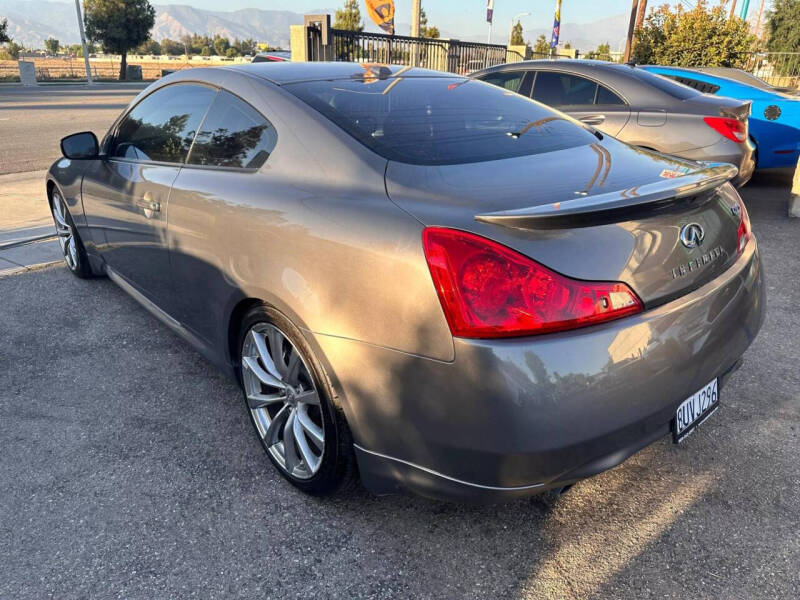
[(283, 400), (66, 235)]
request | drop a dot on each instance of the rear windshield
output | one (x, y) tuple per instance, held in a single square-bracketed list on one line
[(673, 88), (440, 120)]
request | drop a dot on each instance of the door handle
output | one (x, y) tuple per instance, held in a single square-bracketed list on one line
[(593, 119), (148, 204)]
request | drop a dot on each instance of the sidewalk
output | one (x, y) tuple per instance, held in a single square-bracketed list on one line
[(27, 234)]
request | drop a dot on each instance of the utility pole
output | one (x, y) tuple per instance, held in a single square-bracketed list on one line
[(733, 9), (415, 8), (83, 43), (758, 22), (639, 21), (631, 27), (640, 15)]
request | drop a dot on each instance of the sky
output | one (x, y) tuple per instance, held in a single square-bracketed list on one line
[(459, 17)]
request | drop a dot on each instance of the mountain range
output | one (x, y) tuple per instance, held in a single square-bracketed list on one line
[(33, 21)]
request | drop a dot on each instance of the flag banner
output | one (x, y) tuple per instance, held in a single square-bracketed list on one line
[(489, 10), (382, 14), (556, 25)]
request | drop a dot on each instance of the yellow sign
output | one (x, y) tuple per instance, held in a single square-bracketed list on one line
[(382, 14)]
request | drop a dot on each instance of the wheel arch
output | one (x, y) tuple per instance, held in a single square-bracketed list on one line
[(234, 321)]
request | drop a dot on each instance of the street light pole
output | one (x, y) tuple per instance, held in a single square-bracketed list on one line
[(83, 43), (516, 18)]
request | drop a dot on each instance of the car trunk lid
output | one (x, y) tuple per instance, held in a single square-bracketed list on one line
[(603, 212)]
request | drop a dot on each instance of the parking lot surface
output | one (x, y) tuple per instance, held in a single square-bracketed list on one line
[(129, 470), (34, 119)]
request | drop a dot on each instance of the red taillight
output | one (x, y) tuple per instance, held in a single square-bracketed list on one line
[(744, 233), (730, 128), (488, 290)]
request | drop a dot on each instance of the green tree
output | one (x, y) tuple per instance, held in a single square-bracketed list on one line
[(542, 46), (11, 51), (221, 45), (701, 36), (4, 37), (603, 52), (516, 35), (567, 46), (171, 47), (149, 47), (783, 26), (52, 45), (246, 47), (425, 30), (206, 51), (349, 17), (118, 25), (231, 52)]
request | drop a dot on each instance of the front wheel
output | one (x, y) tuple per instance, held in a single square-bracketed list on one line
[(290, 405), (68, 238)]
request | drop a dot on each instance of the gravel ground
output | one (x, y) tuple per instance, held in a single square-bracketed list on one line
[(129, 469)]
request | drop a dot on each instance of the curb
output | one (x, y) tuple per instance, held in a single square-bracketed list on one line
[(28, 268), (30, 240)]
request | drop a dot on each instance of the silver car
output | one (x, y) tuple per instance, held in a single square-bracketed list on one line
[(418, 277), (637, 107)]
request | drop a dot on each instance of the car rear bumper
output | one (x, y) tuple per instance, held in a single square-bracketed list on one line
[(742, 155), (514, 417)]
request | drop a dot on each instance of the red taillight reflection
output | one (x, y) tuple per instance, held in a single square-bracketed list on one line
[(730, 128), (744, 233), (488, 290)]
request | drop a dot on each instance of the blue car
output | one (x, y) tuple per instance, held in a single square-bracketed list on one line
[(774, 120)]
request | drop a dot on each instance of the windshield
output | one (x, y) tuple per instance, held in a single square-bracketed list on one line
[(440, 120)]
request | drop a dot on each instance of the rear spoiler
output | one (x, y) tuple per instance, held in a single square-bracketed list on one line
[(710, 177)]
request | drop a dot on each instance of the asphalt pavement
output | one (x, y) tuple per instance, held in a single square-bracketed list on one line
[(129, 469), (34, 119)]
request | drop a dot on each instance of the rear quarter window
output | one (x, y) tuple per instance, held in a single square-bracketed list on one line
[(701, 86), (664, 84), (233, 135)]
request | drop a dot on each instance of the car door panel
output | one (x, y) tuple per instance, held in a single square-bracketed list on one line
[(582, 98), (126, 193), (135, 224)]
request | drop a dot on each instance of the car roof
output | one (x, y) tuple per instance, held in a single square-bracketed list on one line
[(620, 78), (281, 73), (576, 64)]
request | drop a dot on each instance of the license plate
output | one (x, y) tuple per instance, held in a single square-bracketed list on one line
[(695, 410)]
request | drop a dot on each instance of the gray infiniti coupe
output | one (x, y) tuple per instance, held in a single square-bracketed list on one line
[(420, 278), (638, 107)]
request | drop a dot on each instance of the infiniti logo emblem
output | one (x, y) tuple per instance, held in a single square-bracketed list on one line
[(692, 235)]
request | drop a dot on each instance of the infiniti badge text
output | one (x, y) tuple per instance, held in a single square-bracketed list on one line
[(697, 263)]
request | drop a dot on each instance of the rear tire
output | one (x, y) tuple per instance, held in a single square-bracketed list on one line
[(290, 403), (68, 238)]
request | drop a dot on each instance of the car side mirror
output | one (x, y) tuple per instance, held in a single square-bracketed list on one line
[(80, 145)]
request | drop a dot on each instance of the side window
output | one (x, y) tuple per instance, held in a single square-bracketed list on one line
[(606, 97), (561, 89), (509, 80), (162, 126), (233, 135)]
